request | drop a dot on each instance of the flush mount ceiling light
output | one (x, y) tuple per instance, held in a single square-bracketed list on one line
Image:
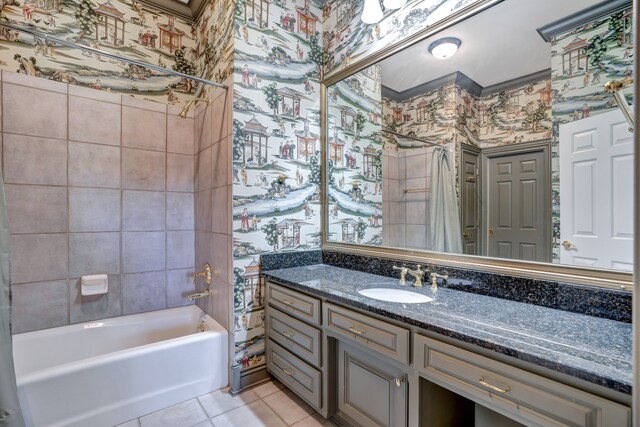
[(394, 4), (445, 47), (371, 13)]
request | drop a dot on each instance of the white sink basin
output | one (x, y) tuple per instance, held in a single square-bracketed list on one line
[(395, 295)]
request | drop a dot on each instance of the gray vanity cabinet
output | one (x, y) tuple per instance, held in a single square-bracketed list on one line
[(517, 394), (370, 391), (294, 342)]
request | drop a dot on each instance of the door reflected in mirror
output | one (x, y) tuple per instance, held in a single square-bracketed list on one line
[(511, 148)]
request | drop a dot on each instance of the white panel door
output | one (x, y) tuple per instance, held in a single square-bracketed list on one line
[(596, 192)]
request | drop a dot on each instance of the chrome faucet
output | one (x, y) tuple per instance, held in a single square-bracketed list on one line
[(434, 279), (418, 273), (403, 274)]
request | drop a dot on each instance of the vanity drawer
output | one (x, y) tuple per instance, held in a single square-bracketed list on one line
[(294, 303), (303, 379), (298, 337), (527, 397), (385, 338)]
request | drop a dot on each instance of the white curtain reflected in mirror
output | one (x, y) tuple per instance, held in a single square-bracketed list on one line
[(540, 156)]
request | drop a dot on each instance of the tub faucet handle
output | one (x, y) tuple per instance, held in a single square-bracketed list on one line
[(206, 273)]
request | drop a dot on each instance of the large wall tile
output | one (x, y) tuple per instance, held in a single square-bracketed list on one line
[(144, 129), (21, 115), (143, 292), (180, 249), (94, 209), (220, 210), (93, 307), (36, 209), (92, 165), (203, 137), (143, 170), (180, 207), (203, 172), (143, 251), (203, 210), (38, 257), (180, 135), (143, 210), (39, 306), (221, 256), (94, 253), (94, 121), (179, 285), (30, 160), (180, 173), (221, 162)]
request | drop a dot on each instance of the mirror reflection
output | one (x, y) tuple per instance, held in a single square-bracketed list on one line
[(495, 137)]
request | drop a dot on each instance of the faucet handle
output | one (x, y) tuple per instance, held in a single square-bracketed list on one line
[(403, 274)]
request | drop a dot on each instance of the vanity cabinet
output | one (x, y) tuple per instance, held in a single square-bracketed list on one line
[(370, 391), (517, 394), (294, 342), (362, 370)]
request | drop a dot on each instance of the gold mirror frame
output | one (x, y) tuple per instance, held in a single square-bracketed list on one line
[(535, 270)]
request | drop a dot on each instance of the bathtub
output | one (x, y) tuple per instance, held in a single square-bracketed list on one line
[(110, 371)]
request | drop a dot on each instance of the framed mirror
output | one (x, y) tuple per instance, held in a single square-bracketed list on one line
[(492, 142)]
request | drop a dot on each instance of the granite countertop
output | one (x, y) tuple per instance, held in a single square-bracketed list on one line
[(593, 349)]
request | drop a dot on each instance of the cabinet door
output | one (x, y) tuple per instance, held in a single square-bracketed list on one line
[(370, 392)]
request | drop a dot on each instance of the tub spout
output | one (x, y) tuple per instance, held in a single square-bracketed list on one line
[(198, 295)]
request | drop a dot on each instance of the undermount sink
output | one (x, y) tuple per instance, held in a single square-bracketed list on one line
[(395, 295)]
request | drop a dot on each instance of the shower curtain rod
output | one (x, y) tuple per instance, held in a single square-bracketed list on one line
[(614, 87), (47, 37), (415, 138)]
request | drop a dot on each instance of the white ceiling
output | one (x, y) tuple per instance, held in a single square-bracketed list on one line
[(498, 44)]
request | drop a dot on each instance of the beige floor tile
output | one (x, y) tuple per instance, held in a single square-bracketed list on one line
[(268, 388), (185, 414), (220, 401), (255, 414), (315, 420), (290, 408)]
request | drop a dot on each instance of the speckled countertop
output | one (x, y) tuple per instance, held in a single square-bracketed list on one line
[(590, 348)]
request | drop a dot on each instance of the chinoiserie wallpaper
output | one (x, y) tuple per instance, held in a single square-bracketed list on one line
[(355, 158), (126, 28), (276, 150)]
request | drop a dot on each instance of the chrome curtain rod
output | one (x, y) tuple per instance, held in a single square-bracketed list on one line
[(47, 37), (415, 138)]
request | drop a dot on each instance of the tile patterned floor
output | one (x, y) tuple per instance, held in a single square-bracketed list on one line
[(268, 405)]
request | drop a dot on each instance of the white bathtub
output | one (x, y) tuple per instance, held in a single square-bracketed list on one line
[(109, 371)]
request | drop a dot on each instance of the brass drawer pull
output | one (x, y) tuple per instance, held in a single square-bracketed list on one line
[(287, 334), (493, 387), (355, 331), (286, 301), (287, 372)]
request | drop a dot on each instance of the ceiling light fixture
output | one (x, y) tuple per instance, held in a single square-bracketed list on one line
[(371, 13), (394, 4), (445, 47)]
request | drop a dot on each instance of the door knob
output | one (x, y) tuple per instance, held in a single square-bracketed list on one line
[(568, 245), (466, 235), (491, 232)]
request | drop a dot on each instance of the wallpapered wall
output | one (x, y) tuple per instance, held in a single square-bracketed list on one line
[(276, 144), (451, 113), (355, 150), (346, 38), (125, 28)]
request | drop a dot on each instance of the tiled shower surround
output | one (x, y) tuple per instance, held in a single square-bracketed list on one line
[(96, 183)]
